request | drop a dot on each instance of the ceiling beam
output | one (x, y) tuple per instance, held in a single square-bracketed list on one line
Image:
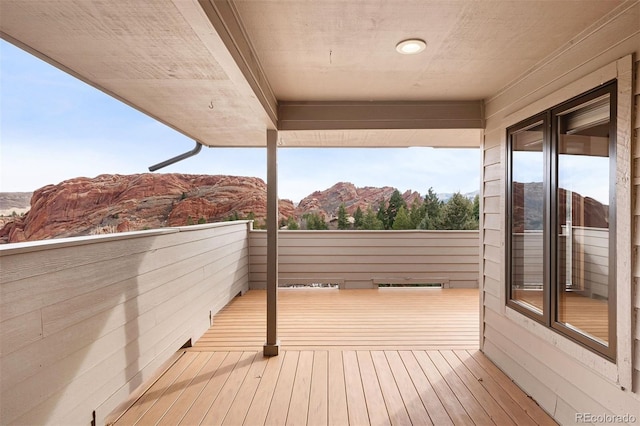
[(225, 20), (380, 115)]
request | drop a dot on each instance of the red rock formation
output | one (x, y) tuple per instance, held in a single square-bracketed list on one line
[(117, 203), (528, 208), (328, 201)]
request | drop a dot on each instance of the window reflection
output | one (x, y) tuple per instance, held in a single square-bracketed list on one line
[(583, 197), (527, 207)]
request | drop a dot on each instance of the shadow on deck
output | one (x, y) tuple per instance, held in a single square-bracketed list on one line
[(388, 356)]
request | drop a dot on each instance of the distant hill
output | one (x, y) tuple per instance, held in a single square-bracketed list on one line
[(18, 202), (117, 203), (528, 201), (445, 196), (328, 201)]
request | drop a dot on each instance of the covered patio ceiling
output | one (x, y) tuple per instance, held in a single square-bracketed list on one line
[(322, 73)]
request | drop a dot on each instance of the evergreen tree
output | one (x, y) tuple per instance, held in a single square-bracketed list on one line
[(457, 213), (370, 221), (395, 202), (431, 208), (315, 221), (416, 213), (382, 215), (292, 224), (233, 216), (343, 219), (476, 208), (357, 218), (402, 220)]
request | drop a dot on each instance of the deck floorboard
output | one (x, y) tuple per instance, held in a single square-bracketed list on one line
[(393, 356)]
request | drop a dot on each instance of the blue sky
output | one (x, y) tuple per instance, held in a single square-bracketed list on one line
[(54, 127)]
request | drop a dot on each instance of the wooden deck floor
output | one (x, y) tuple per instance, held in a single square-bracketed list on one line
[(390, 318), (322, 377)]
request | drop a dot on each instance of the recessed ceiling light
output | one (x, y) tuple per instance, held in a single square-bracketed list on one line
[(411, 46)]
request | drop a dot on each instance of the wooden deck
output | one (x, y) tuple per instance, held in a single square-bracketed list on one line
[(387, 318), (584, 313), (356, 357)]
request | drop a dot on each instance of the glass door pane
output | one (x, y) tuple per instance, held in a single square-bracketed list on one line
[(583, 198), (527, 217)]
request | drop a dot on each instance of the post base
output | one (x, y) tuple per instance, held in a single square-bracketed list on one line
[(271, 350)]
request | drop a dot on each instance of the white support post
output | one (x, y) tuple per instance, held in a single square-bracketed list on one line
[(272, 346)]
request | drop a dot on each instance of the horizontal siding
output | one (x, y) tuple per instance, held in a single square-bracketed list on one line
[(85, 321), (636, 212), (355, 259), (577, 385), (560, 375)]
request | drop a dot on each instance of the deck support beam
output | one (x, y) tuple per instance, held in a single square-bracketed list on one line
[(272, 346)]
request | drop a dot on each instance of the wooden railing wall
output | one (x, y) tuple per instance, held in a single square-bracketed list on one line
[(84, 321), (363, 259)]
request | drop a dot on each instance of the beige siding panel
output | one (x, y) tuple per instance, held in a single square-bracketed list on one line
[(492, 237), (37, 291), (580, 386), (635, 260), (624, 207), (19, 365), (492, 286), (20, 331), (355, 259), (492, 205), (492, 189), (104, 334), (492, 302), (68, 312), (510, 365), (492, 155), (493, 221), (493, 172), (339, 251), (492, 253), (636, 86), (492, 269)]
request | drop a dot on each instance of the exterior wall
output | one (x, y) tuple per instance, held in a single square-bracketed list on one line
[(87, 320), (635, 231), (361, 259), (563, 377)]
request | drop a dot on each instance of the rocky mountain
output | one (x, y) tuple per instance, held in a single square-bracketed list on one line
[(528, 208), (12, 205), (14, 201), (328, 201), (118, 203), (446, 196)]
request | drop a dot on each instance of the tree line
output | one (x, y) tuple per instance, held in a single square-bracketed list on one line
[(458, 212)]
